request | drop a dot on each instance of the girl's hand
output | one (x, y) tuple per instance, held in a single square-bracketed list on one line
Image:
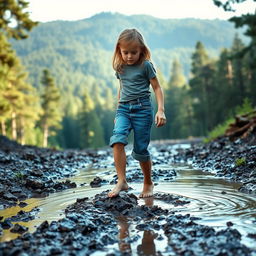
[(160, 119)]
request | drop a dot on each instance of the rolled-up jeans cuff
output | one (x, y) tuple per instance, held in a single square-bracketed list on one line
[(141, 158), (117, 139)]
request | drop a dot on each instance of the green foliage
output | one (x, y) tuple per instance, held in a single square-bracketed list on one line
[(81, 51), (91, 131), (177, 105), (14, 19), (18, 100), (220, 129), (79, 57), (240, 161), (51, 116), (245, 108), (19, 176)]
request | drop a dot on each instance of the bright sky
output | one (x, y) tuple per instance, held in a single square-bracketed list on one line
[(48, 10)]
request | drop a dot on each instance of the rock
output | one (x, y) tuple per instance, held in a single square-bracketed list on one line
[(10, 196), (36, 173), (19, 229), (34, 183), (66, 225), (6, 224), (96, 182)]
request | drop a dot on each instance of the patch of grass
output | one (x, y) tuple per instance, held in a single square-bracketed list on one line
[(240, 161), (19, 175), (220, 129)]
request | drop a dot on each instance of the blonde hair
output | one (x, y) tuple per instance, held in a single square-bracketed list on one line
[(129, 35)]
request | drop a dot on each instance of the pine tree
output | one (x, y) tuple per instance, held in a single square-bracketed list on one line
[(14, 19), (107, 120), (177, 104), (91, 132), (14, 23), (199, 58), (18, 101), (178, 79), (202, 89), (7, 60), (238, 71), (51, 117), (249, 52)]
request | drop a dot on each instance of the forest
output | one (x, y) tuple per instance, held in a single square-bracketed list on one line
[(57, 85)]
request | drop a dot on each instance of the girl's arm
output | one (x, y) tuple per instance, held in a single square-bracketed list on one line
[(160, 118), (119, 91)]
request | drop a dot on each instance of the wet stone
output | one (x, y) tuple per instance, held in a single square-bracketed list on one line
[(97, 182), (25, 216), (10, 196), (171, 199), (19, 229), (16, 190), (35, 183), (6, 224), (36, 173), (118, 204), (66, 225)]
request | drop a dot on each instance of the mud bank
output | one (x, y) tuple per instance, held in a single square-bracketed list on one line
[(28, 171), (232, 160)]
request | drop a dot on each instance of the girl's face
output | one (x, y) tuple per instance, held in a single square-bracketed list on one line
[(130, 52)]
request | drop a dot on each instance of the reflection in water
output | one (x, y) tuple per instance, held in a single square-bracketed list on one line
[(147, 246), (215, 200), (124, 243)]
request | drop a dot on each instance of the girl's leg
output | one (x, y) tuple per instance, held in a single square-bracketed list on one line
[(147, 184), (120, 164)]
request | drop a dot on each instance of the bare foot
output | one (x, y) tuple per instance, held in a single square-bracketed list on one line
[(147, 191), (120, 186)]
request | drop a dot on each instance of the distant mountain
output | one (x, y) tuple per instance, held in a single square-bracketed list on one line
[(79, 53)]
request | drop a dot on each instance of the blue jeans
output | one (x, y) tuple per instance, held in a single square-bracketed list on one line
[(136, 115)]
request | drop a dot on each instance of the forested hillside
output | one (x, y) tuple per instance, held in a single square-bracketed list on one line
[(69, 66), (79, 52)]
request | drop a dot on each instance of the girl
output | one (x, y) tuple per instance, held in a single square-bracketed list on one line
[(135, 72)]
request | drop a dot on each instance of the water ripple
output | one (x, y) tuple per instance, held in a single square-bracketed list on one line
[(214, 200)]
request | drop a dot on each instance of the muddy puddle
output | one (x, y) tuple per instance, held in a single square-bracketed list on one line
[(216, 201)]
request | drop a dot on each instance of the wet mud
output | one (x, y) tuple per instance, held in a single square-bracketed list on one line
[(125, 225), (231, 160), (91, 225)]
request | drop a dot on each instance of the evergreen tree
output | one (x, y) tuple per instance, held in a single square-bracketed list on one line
[(203, 90), (69, 135), (18, 101), (14, 19), (238, 71), (51, 115), (178, 79), (91, 132), (224, 86), (199, 58), (107, 119), (177, 104), (249, 22), (7, 61)]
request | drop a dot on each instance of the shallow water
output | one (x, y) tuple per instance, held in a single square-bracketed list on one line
[(214, 200)]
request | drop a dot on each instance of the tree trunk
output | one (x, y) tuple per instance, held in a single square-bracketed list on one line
[(22, 131), (14, 126), (3, 127), (46, 134)]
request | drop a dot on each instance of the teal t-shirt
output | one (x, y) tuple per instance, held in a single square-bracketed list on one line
[(135, 81)]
